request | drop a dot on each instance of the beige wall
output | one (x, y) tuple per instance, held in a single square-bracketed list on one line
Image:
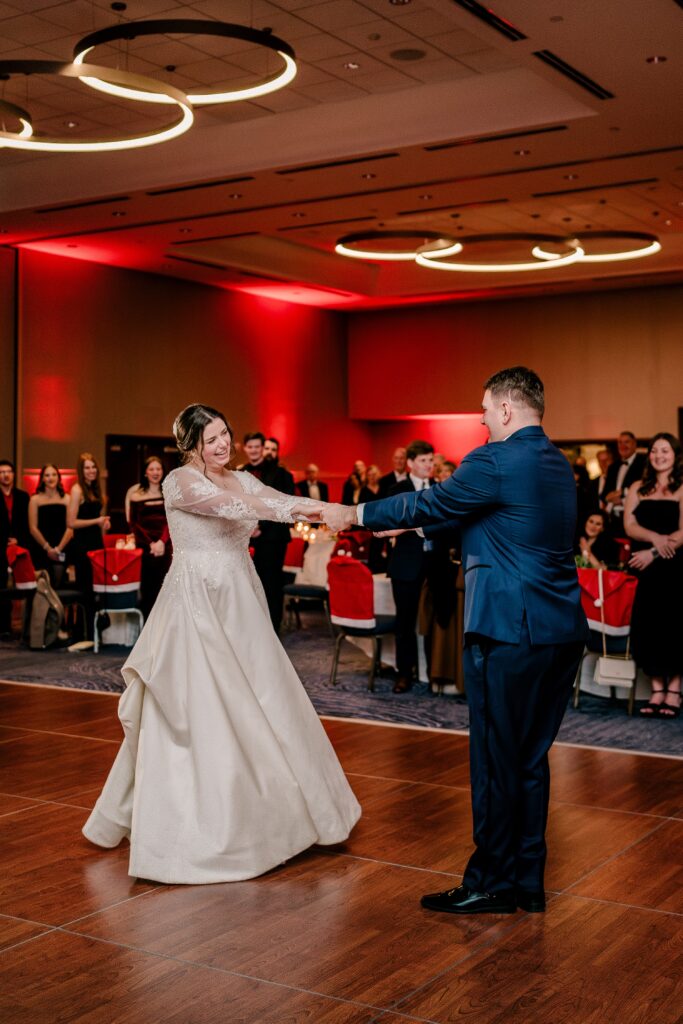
[(609, 360), (114, 351)]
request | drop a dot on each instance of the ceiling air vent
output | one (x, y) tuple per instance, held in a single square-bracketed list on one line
[(194, 188), (324, 223), (338, 163), (82, 206), (594, 188), (553, 61), (494, 21), (476, 140)]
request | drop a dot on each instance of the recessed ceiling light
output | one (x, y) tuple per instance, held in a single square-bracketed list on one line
[(570, 177), (118, 213), (71, 124), (455, 216), (235, 195), (522, 152), (399, 3), (298, 215), (368, 176), (352, 65), (425, 195), (668, 223), (117, 6), (185, 231), (170, 67), (535, 216), (566, 219), (656, 60), (374, 36)]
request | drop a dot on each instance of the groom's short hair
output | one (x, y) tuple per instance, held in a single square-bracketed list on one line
[(521, 384)]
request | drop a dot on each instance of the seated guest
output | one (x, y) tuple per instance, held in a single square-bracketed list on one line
[(146, 516), (14, 529), (85, 516), (47, 523), (439, 460), (595, 546), (447, 469), (598, 484), (397, 475), (371, 490), (354, 484), (311, 486), (627, 470)]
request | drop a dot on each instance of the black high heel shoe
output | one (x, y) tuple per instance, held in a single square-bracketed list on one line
[(651, 709), (667, 710)]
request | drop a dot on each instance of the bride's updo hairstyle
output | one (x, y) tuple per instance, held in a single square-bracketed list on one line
[(189, 426)]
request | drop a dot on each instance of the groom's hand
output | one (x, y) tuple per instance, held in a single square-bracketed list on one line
[(340, 517)]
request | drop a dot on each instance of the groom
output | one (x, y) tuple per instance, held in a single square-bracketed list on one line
[(514, 500)]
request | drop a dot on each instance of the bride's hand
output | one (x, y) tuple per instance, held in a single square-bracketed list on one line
[(310, 512)]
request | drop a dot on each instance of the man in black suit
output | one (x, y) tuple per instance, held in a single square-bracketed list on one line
[(408, 566), (311, 486), (396, 476), (621, 474), (598, 486), (270, 540), (13, 529)]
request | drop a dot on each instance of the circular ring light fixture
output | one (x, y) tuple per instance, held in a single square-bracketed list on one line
[(651, 247), (156, 92), (573, 255), (432, 242), (106, 82), (19, 114)]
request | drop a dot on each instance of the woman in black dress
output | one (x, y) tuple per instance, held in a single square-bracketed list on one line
[(653, 517), (85, 517), (597, 549), (47, 523), (146, 516)]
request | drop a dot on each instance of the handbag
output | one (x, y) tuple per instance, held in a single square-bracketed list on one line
[(613, 669)]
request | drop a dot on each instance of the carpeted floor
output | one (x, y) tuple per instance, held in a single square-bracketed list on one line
[(597, 722)]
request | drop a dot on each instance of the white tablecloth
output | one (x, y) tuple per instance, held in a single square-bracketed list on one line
[(318, 554)]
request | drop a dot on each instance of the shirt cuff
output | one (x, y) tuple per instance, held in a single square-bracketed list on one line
[(420, 532), (359, 514)]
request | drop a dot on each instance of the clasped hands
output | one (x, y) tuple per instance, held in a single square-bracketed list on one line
[(663, 545), (336, 517)]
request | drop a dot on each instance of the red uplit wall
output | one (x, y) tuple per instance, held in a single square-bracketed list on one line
[(453, 436), (106, 350)]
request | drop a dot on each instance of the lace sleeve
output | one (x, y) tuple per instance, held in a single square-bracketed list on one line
[(189, 490), (279, 504)]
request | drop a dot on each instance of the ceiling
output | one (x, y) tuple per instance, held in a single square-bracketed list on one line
[(475, 134)]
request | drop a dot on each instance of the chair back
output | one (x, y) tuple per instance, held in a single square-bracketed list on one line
[(294, 556), (354, 543), (618, 592), (21, 567), (352, 598), (116, 575), (624, 545)]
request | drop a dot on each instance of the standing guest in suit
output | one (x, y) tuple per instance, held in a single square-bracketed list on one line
[(621, 474), (599, 483), (514, 500), (311, 486), (270, 539), (408, 567), (14, 529), (396, 476)]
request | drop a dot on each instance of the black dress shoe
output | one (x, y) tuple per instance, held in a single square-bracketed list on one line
[(403, 684), (531, 901), (466, 901)]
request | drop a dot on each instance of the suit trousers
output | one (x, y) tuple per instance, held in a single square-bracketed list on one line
[(407, 599), (517, 695), (269, 559)]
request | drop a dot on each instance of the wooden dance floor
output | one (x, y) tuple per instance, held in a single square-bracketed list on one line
[(336, 936)]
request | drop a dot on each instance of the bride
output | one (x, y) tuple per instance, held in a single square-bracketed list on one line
[(225, 770)]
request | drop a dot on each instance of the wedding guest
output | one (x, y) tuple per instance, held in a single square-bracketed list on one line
[(146, 516), (270, 539), (397, 475), (439, 460), (598, 484), (371, 489), (408, 566), (85, 516), (354, 484), (47, 522), (584, 499), (311, 486), (448, 469), (597, 549), (653, 517), (14, 529), (620, 476)]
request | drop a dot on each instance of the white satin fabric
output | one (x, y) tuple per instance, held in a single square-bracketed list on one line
[(225, 770)]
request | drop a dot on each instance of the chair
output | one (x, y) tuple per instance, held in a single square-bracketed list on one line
[(609, 631), (354, 544), (116, 576), (20, 568), (352, 611)]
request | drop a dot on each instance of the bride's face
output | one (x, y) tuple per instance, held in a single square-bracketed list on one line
[(216, 445)]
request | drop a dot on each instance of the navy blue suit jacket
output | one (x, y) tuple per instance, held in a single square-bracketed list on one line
[(515, 504)]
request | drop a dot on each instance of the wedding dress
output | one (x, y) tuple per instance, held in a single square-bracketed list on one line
[(225, 770)]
